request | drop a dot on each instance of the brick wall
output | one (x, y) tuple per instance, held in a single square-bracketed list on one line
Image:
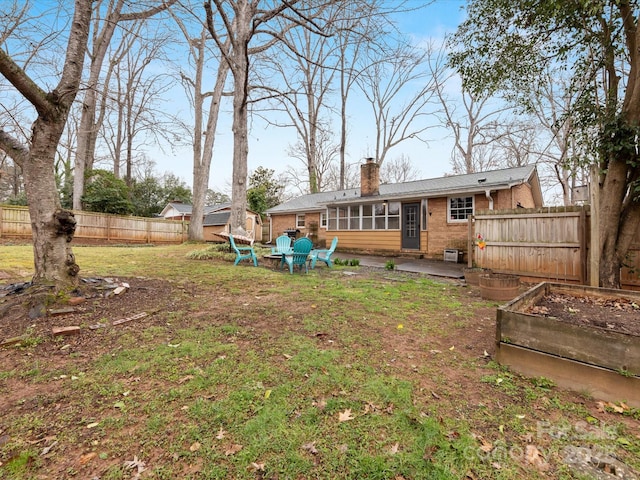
[(280, 223), (369, 178)]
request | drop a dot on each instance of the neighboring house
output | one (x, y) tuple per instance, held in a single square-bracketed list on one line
[(216, 219), (422, 217)]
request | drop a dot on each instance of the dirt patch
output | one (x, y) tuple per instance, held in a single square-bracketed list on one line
[(616, 314), (21, 312), (455, 356)]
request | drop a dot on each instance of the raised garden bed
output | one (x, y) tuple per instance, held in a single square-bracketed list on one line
[(583, 338)]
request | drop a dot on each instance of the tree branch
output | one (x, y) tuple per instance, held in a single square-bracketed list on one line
[(13, 148), (23, 83)]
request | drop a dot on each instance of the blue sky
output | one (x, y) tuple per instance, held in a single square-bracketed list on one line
[(268, 145)]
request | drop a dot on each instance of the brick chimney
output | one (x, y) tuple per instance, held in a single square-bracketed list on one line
[(369, 178)]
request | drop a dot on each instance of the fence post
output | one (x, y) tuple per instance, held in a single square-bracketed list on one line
[(594, 239), (582, 233), (1, 220)]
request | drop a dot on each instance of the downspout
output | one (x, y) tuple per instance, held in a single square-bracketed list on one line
[(487, 193), (270, 229)]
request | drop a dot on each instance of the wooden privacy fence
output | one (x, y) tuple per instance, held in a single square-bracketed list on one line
[(15, 222), (546, 244)]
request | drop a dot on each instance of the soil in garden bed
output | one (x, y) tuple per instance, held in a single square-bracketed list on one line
[(616, 314)]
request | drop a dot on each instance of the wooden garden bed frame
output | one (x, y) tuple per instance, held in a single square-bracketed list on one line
[(593, 360)]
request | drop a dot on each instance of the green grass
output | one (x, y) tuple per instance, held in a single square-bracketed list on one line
[(255, 373)]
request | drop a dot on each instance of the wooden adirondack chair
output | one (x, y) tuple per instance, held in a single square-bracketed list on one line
[(283, 245), (323, 254), (298, 256), (243, 253)]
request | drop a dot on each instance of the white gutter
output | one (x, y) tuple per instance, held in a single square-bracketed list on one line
[(487, 193)]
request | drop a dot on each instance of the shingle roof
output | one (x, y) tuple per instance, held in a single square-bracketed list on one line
[(432, 187), (186, 208), (216, 219)]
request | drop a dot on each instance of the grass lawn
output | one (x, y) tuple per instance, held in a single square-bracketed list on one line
[(252, 373)]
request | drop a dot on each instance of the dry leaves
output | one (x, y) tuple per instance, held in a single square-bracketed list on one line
[(345, 416), (135, 464), (221, 434), (533, 456), (320, 404), (185, 379), (257, 467), (310, 447), (87, 457), (233, 449), (606, 406)]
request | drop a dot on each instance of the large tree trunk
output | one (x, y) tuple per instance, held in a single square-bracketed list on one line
[(240, 143), (52, 227), (202, 156)]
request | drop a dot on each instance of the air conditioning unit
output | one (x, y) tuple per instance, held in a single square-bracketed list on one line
[(453, 255)]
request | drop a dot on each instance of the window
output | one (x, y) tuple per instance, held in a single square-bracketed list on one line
[(425, 217), (379, 216), (367, 217), (393, 216), (300, 220), (333, 219), (343, 219), (323, 220), (354, 217), (460, 208)]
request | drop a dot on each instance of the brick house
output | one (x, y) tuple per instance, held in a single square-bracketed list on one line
[(423, 217)]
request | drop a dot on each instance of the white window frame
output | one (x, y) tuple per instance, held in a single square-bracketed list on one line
[(460, 220), (299, 216), (324, 219)]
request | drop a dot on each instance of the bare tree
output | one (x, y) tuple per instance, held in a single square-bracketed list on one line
[(109, 14), (389, 84), (474, 121), (241, 22), (52, 226), (134, 102), (398, 170), (305, 75), (551, 105), (202, 152), (325, 151)]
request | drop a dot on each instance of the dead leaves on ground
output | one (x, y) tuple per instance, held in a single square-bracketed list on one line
[(612, 407), (345, 416)]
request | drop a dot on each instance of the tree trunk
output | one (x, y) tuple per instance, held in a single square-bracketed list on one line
[(202, 160), (52, 227), (240, 142)]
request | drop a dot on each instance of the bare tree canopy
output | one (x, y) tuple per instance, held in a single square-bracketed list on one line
[(508, 48)]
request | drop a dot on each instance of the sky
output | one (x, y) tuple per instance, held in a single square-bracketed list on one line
[(268, 145)]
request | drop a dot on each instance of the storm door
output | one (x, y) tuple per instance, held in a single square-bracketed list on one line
[(411, 226)]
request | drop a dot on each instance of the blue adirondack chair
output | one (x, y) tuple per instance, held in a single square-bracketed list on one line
[(298, 256), (323, 254), (283, 245), (243, 253)]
